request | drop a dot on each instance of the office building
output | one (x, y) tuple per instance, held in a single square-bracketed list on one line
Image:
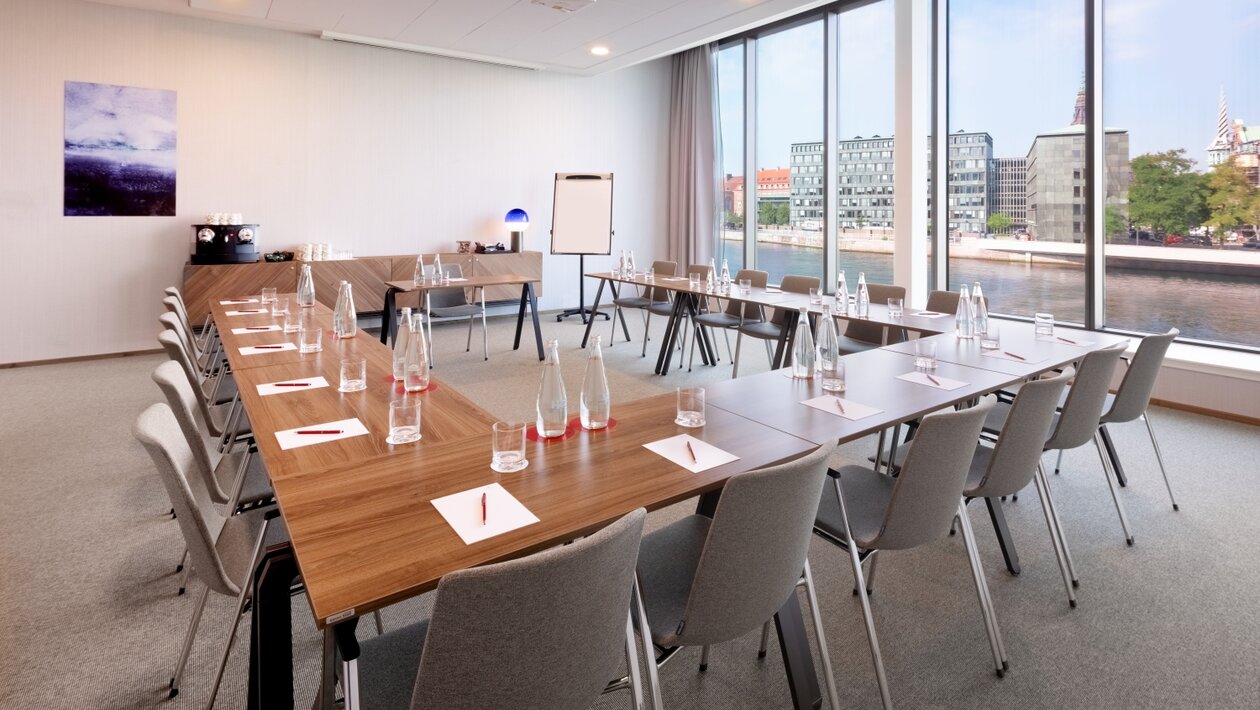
[(1056, 184), (1008, 195)]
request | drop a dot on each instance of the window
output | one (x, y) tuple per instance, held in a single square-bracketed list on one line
[(730, 96)]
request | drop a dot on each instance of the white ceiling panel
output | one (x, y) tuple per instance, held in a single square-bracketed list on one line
[(318, 14), (381, 18), (577, 30), (246, 8), (509, 29), (446, 22)]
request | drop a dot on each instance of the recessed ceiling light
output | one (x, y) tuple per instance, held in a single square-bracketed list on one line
[(599, 50)]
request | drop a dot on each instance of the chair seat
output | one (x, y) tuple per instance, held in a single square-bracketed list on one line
[(866, 497), (996, 420), (762, 329), (387, 667), (257, 485), (849, 346), (236, 540), (632, 302), (667, 565), (662, 308), (719, 320), (456, 311)]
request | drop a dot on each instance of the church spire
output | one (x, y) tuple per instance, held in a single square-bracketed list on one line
[(1220, 149), (1078, 115)]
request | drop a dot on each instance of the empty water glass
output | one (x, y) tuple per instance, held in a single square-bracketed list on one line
[(290, 320), (745, 286), (990, 339), (508, 447), (690, 407), (896, 307), (353, 374), (924, 354), (279, 306), (268, 295), (1043, 324), (815, 297), (693, 280), (404, 421), (832, 370), (310, 337), (649, 275)]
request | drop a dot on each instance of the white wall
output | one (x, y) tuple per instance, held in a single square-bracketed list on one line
[(372, 150)]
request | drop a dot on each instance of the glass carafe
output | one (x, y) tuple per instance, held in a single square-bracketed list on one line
[(829, 352), (863, 297), (594, 401), (400, 345), (416, 362), (842, 295), (964, 319), (345, 320), (979, 311), (803, 347), (552, 405), (417, 277), (305, 287)]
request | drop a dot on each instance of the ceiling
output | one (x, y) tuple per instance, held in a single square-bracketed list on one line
[(526, 33)]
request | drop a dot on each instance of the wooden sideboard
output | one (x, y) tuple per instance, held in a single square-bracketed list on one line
[(367, 276)]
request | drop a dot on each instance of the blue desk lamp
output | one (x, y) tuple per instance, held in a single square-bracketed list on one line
[(517, 222)]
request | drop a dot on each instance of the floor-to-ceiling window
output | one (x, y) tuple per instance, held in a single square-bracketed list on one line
[(1181, 101), (1016, 186), (730, 99), (789, 121)]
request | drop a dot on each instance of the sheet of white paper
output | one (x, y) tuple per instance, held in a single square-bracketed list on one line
[(235, 301), (921, 378), (773, 290), (675, 449), (312, 383), (852, 410), (504, 513), (257, 329), (248, 312), (929, 314), (1005, 355), (456, 278), (1075, 341), (268, 348), (291, 439)]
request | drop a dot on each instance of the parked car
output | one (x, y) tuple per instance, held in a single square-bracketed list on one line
[(1193, 240), (1253, 243), (1171, 239)]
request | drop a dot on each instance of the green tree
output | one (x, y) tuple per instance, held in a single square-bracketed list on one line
[(1167, 193), (734, 218), (782, 214), (861, 221), (1117, 224), (765, 213), (1230, 198), (999, 222), (1255, 214)]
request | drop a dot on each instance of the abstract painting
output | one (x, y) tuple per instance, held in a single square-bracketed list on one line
[(119, 150)]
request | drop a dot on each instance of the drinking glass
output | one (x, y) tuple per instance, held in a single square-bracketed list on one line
[(815, 297), (508, 447), (404, 421), (310, 337), (279, 306), (896, 307), (268, 295), (1043, 324), (291, 322), (693, 280), (745, 286), (924, 354), (649, 275), (690, 407), (990, 339), (832, 374), (353, 374)]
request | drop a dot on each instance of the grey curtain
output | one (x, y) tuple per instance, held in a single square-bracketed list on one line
[(693, 149)]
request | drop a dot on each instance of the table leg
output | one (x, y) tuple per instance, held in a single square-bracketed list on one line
[(667, 342), (599, 292), (620, 315), (707, 353), (1003, 535), (1111, 454), (271, 632), (782, 351), (528, 298), (389, 319)]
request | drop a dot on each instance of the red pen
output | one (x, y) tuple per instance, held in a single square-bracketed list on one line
[(1066, 340), (840, 405), (268, 347), (691, 452), (1017, 357), (292, 384), (256, 310), (259, 327), (934, 380), (245, 301), (483, 508), (319, 431)]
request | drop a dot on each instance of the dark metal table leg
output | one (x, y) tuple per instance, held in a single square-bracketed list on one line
[(1110, 446), (389, 323), (665, 356), (599, 292), (798, 663), (782, 351), (529, 299), (271, 632), (1003, 535)]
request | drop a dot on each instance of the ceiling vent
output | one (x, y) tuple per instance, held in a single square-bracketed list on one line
[(565, 6)]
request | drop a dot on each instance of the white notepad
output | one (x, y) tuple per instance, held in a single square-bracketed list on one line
[(346, 428), (504, 513), (270, 348), (852, 410), (675, 449), (312, 383), (258, 329), (248, 312), (234, 301), (1004, 355), (921, 378), (1077, 342), (929, 314)]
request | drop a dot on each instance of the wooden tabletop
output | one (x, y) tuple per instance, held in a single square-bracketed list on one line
[(366, 534), (475, 281)]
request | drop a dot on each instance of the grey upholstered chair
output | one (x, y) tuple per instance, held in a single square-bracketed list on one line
[(1132, 398), (1015, 459), (772, 329), (942, 301), (543, 631), (865, 512), (208, 329), (708, 580), (209, 369), (453, 304), (860, 335), (1077, 422), (200, 347), (220, 417), (224, 550), (651, 296), (736, 314)]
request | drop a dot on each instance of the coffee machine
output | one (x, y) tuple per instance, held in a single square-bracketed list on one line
[(225, 243)]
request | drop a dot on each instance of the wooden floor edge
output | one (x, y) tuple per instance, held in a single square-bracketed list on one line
[(1207, 412), (77, 358)]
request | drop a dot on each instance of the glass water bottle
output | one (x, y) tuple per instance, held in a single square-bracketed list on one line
[(305, 287), (416, 361), (552, 406), (400, 345), (964, 320), (594, 401), (863, 297), (979, 311), (345, 320), (417, 277), (829, 365), (803, 347)]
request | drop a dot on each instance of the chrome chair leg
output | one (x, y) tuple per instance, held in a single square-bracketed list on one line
[(380, 625), (769, 353), (704, 658), (1150, 431), (1058, 462), (350, 685), (1058, 525), (485, 334), (982, 591), (612, 338), (183, 577), (1042, 494), (867, 617), (765, 640), (188, 642), (240, 609), (647, 324), (833, 696), (645, 633), (739, 340), (1111, 483), (468, 340), (632, 664)]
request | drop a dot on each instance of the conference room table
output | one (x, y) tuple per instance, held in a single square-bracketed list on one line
[(389, 328)]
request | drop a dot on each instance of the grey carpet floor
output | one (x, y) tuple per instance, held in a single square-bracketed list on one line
[(89, 617)]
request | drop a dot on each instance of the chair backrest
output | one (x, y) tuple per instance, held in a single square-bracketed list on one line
[(755, 550), (1135, 390), (702, 270), (946, 301), (1079, 417), (659, 269), (926, 494), (448, 297), (183, 403), (175, 305), (544, 631), (199, 522), (758, 279), (174, 348), (1018, 450), (874, 332), (793, 284), (171, 322)]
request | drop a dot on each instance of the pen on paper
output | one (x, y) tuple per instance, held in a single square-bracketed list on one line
[(839, 405), (934, 380), (691, 452)]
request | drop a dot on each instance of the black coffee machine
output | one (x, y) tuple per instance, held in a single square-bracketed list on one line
[(225, 243)]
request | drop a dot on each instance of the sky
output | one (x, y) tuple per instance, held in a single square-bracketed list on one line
[(1015, 68)]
